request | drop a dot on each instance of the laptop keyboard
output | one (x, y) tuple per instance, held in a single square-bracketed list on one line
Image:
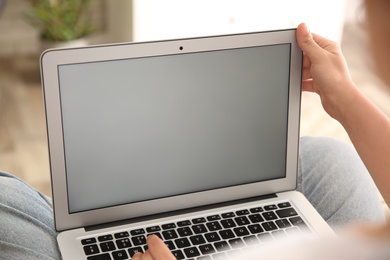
[(212, 237)]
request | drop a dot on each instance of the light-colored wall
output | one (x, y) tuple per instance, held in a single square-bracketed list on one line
[(141, 20), (156, 19)]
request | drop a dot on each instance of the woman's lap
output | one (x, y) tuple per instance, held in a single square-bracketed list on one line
[(334, 179), (26, 222)]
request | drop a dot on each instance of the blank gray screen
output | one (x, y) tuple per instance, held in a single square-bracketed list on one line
[(146, 128)]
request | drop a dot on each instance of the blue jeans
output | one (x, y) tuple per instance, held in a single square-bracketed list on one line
[(331, 176)]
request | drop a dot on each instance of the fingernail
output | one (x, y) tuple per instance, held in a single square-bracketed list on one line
[(151, 237), (305, 30), (138, 254)]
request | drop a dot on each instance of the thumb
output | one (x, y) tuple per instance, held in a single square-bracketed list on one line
[(306, 42)]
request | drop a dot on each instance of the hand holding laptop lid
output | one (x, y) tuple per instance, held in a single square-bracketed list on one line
[(325, 72)]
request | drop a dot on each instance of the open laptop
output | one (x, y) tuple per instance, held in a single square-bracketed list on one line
[(194, 140)]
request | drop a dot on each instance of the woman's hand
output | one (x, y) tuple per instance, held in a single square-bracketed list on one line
[(325, 71), (157, 250)]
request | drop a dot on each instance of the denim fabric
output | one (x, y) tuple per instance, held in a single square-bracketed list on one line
[(333, 178), (26, 222), (331, 175)]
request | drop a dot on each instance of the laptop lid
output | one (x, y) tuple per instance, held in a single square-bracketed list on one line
[(143, 128)]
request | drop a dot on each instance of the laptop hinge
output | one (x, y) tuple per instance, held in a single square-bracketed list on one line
[(177, 212)]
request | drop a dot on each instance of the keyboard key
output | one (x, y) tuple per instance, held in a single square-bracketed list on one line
[(153, 229), (228, 215), (170, 245), (137, 232), (138, 240), (105, 238), (213, 226), (91, 249), (236, 243), (134, 250), (294, 231), (212, 237), (123, 243), (283, 223), (213, 217), (198, 229), (228, 223), (284, 213), (220, 256), (178, 254), (279, 234), (184, 232), (256, 210), (191, 252), (241, 221), (88, 241), (100, 257), (234, 254), (270, 207), (268, 226), (242, 212), (284, 205), (156, 234), (170, 234), (256, 218), (207, 249), (182, 242), (197, 240), (265, 237), (168, 226), (255, 229), (221, 246), (298, 221), (251, 240), (121, 235), (107, 246), (184, 223), (119, 255), (226, 234), (198, 220), (270, 215), (241, 231)]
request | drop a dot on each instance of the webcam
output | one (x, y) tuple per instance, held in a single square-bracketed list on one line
[(181, 48)]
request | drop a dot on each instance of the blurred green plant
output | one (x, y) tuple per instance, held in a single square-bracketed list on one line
[(61, 20)]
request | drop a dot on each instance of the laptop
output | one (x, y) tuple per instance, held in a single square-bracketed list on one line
[(194, 140)]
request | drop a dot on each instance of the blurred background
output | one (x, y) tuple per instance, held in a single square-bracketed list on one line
[(27, 27)]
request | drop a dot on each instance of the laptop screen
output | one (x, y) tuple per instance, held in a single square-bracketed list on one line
[(146, 128)]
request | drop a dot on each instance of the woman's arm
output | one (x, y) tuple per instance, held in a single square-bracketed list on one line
[(325, 72)]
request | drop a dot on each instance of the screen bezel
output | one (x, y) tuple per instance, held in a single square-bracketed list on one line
[(51, 59)]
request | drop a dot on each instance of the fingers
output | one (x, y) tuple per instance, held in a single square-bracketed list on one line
[(314, 45), (306, 65), (308, 85), (137, 256), (158, 249), (306, 41)]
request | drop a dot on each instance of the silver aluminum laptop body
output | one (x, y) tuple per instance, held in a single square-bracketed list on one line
[(147, 133)]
